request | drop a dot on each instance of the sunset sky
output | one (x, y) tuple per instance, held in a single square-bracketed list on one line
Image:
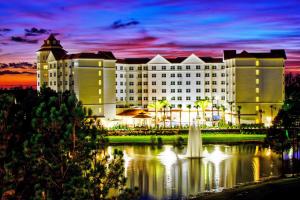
[(138, 28)]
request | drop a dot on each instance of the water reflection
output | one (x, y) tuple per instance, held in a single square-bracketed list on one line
[(161, 173)]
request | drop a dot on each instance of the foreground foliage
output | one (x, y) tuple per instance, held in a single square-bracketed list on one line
[(49, 150)]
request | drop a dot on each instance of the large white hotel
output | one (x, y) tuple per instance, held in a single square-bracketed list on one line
[(253, 82)]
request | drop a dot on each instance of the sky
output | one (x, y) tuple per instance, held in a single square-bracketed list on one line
[(144, 28)]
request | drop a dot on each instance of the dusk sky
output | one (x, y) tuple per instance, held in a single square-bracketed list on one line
[(148, 27)]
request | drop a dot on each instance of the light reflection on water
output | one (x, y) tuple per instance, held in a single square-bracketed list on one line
[(164, 172)]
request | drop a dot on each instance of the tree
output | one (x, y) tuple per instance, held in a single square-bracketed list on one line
[(223, 108), (231, 110), (156, 106), (239, 114), (170, 107), (260, 113), (189, 108), (180, 112), (203, 104), (164, 105)]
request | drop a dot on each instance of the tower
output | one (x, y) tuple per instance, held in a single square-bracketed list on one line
[(51, 44)]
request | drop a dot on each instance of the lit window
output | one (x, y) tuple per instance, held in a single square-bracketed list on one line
[(100, 82), (257, 81), (100, 100), (257, 99), (257, 108), (257, 90), (100, 73), (100, 63), (257, 72), (100, 91), (45, 67), (257, 63), (100, 110)]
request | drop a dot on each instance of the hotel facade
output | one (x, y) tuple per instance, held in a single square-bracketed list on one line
[(249, 85)]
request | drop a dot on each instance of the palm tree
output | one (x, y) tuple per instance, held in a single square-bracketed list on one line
[(156, 106), (272, 107), (239, 114), (164, 104), (170, 106), (223, 108), (203, 104), (260, 111), (189, 107), (230, 103), (180, 112)]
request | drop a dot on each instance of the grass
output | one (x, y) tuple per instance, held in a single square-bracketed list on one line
[(207, 138)]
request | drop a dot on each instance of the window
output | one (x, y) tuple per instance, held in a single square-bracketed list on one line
[(163, 82), (179, 98), (121, 83), (223, 75), (188, 82), (188, 98), (187, 75), (172, 67), (198, 75), (131, 91), (54, 83), (121, 67), (172, 75), (198, 90), (214, 82), (206, 83), (257, 81), (121, 91), (131, 68), (223, 98), (153, 98), (163, 90), (179, 75), (139, 83), (131, 98), (145, 67), (223, 90), (214, 67), (145, 98), (153, 82), (206, 90), (257, 72), (145, 75), (188, 90), (222, 67), (214, 74), (145, 90), (214, 90), (139, 75), (206, 67), (145, 83), (257, 63), (163, 67), (206, 74), (179, 67), (173, 98), (131, 83), (179, 83), (163, 98), (139, 90), (153, 90), (172, 82), (163, 75), (222, 82), (257, 99), (139, 68), (187, 67), (131, 76), (198, 98), (153, 75), (139, 98), (172, 90), (198, 82), (50, 76), (257, 90), (179, 90), (153, 67)]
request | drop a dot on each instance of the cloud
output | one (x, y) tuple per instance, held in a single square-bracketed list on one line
[(9, 72), (23, 40), (5, 29), (36, 32), (120, 24)]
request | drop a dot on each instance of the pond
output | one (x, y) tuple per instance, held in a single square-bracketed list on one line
[(165, 172)]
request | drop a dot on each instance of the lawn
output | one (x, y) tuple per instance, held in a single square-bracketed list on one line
[(207, 138)]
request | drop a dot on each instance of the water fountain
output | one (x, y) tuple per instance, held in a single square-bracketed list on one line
[(194, 146)]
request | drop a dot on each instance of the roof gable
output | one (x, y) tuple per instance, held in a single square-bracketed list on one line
[(192, 59), (158, 59)]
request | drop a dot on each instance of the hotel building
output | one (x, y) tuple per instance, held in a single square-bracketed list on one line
[(251, 84)]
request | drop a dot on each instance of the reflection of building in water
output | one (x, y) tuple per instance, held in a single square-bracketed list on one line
[(159, 177)]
